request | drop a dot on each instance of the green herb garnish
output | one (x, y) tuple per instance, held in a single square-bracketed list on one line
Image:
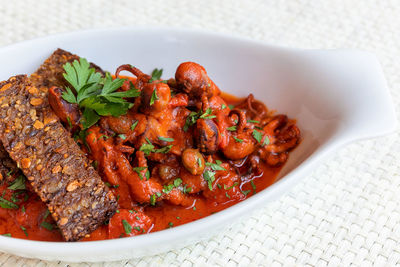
[(232, 128), (266, 141), (230, 187), (163, 150), (153, 199), (156, 75), (194, 116), (168, 188), (133, 126), (127, 227), (8, 235), (47, 226), (166, 139), (209, 176), (216, 166), (186, 189), (139, 170), (18, 184), (257, 135), (24, 229), (95, 95), (253, 186), (154, 97), (238, 139), (4, 203)]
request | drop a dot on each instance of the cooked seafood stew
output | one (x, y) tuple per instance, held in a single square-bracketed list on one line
[(87, 155)]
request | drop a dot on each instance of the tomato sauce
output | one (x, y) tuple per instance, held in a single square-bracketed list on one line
[(156, 184)]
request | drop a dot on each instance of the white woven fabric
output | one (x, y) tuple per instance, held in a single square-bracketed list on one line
[(345, 213)]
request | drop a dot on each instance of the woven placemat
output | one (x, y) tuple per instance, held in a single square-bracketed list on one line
[(345, 212)]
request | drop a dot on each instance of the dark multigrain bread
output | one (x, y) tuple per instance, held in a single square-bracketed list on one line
[(54, 164), (8, 168), (50, 73)]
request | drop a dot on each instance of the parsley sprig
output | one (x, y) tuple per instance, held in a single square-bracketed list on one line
[(96, 95), (194, 116)]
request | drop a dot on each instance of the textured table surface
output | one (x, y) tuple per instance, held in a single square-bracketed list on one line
[(345, 212)]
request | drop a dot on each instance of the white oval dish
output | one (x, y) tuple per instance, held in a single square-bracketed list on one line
[(336, 96)]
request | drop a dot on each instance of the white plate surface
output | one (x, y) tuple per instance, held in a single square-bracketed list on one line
[(336, 96)]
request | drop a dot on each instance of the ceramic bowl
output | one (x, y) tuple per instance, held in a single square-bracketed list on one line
[(337, 96)]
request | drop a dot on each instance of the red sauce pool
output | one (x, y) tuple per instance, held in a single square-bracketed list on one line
[(32, 221)]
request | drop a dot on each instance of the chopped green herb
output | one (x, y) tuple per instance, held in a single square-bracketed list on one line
[(199, 162), (166, 139), (177, 182), (237, 139), (122, 136), (170, 224), (194, 116), (69, 122), (209, 176), (24, 229), (131, 211), (139, 170), (219, 186), (194, 208), (4, 203), (153, 199), (133, 126), (117, 211), (231, 106), (46, 214), (257, 135), (252, 121), (168, 188), (216, 166), (154, 97), (227, 195), (137, 228), (163, 150), (137, 218), (266, 141), (23, 209), (118, 196), (95, 164), (178, 217), (9, 173), (186, 189), (253, 186), (232, 128), (127, 227), (223, 106), (230, 187), (18, 184), (47, 225), (156, 75), (146, 148), (207, 114), (8, 235), (246, 192)]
